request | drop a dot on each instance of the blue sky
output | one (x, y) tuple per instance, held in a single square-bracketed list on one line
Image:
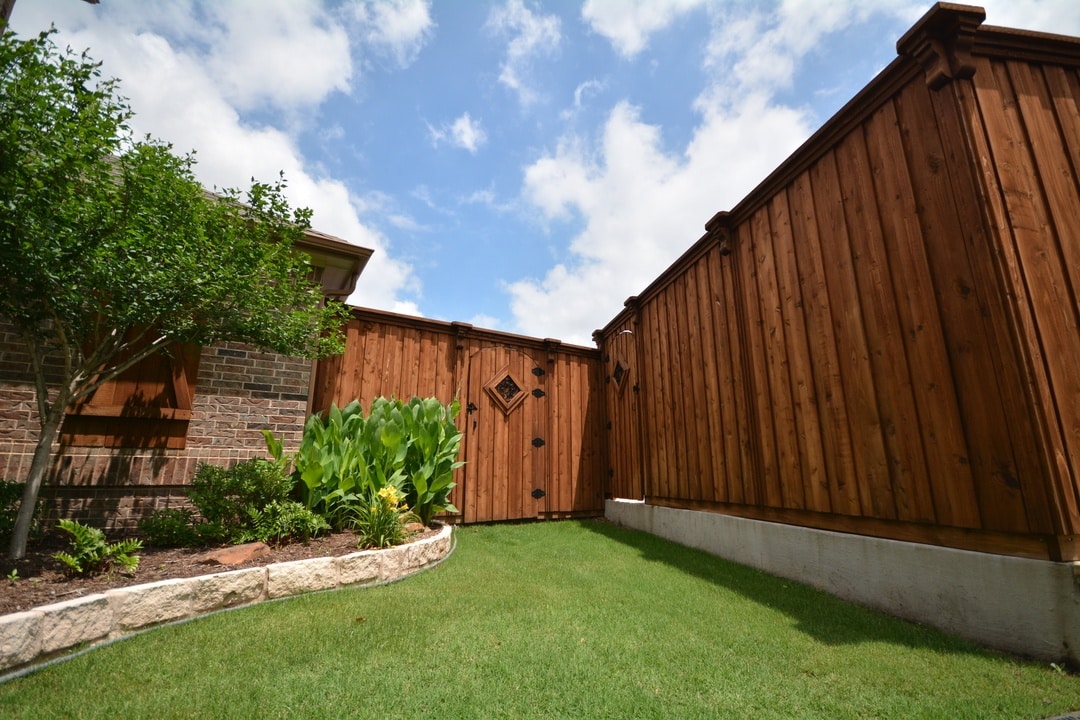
[(520, 165)]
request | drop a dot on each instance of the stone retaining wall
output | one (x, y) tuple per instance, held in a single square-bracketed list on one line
[(36, 635)]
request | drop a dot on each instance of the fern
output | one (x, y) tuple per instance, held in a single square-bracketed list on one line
[(280, 522), (90, 553)]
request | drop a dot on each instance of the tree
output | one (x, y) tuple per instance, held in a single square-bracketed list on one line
[(111, 251)]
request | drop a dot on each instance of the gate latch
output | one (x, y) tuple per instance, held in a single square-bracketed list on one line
[(538, 493), (538, 442), (471, 408)]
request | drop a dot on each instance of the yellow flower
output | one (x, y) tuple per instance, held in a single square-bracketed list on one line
[(390, 495)]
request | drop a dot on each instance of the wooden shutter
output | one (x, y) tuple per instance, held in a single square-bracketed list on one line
[(146, 406)]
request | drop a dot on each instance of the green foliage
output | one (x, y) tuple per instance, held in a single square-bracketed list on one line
[(244, 503), (10, 495), (228, 499), (171, 527), (432, 457), (345, 457), (91, 553), (110, 250), (379, 521), (102, 232), (283, 521)]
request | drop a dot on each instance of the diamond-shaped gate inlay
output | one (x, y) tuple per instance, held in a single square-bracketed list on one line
[(506, 390), (619, 373)]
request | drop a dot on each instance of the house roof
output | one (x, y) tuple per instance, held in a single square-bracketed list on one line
[(338, 263)]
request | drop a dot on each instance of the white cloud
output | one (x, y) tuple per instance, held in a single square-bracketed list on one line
[(531, 35), (760, 50), (627, 24), (261, 53), (464, 132), (581, 92), (398, 28), (482, 320), (641, 207), (468, 133), (169, 62), (1053, 16)]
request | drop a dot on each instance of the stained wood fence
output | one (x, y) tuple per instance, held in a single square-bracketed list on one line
[(532, 410), (883, 337)]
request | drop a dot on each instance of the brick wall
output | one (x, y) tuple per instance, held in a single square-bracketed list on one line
[(239, 392)]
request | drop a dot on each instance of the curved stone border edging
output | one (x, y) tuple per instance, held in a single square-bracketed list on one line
[(35, 635)]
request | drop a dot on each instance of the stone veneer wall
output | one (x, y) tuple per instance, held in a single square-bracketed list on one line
[(239, 392)]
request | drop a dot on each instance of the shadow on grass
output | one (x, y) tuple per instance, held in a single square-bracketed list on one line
[(824, 617)]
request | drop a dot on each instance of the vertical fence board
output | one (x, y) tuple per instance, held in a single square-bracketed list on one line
[(948, 486), (711, 440), (964, 304), (865, 423), (909, 494), (654, 409), (799, 360), (1002, 305), (1048, 319), (832, 419), (786, 492)]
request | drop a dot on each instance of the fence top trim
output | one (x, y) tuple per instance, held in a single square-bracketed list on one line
[(465, 330)]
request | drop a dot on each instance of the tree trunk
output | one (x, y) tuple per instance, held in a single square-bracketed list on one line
[(42, 455)]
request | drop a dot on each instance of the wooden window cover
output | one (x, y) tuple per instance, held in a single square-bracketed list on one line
[(146, 406)]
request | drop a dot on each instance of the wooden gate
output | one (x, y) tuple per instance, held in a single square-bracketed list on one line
[(506, 412), (532, 410)]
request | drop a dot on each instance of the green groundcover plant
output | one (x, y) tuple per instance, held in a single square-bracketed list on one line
[(91, 553), (243, 503)]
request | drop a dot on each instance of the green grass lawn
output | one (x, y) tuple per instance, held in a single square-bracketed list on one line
[(549, 620)]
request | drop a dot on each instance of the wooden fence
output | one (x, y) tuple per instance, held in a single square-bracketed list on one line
[(883, 337), (532, 410)]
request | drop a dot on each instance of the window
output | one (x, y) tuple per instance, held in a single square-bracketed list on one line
[(146, 406)]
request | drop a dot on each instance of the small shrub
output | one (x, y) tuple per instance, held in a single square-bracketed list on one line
[(380, 520), (91, 553), (10, 500), (172, 527), (227, 497), (283, 521)]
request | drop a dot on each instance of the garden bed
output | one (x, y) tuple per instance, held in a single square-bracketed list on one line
[(41, 578)]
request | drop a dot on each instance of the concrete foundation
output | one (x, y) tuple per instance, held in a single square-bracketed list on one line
[(1028, 607)]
